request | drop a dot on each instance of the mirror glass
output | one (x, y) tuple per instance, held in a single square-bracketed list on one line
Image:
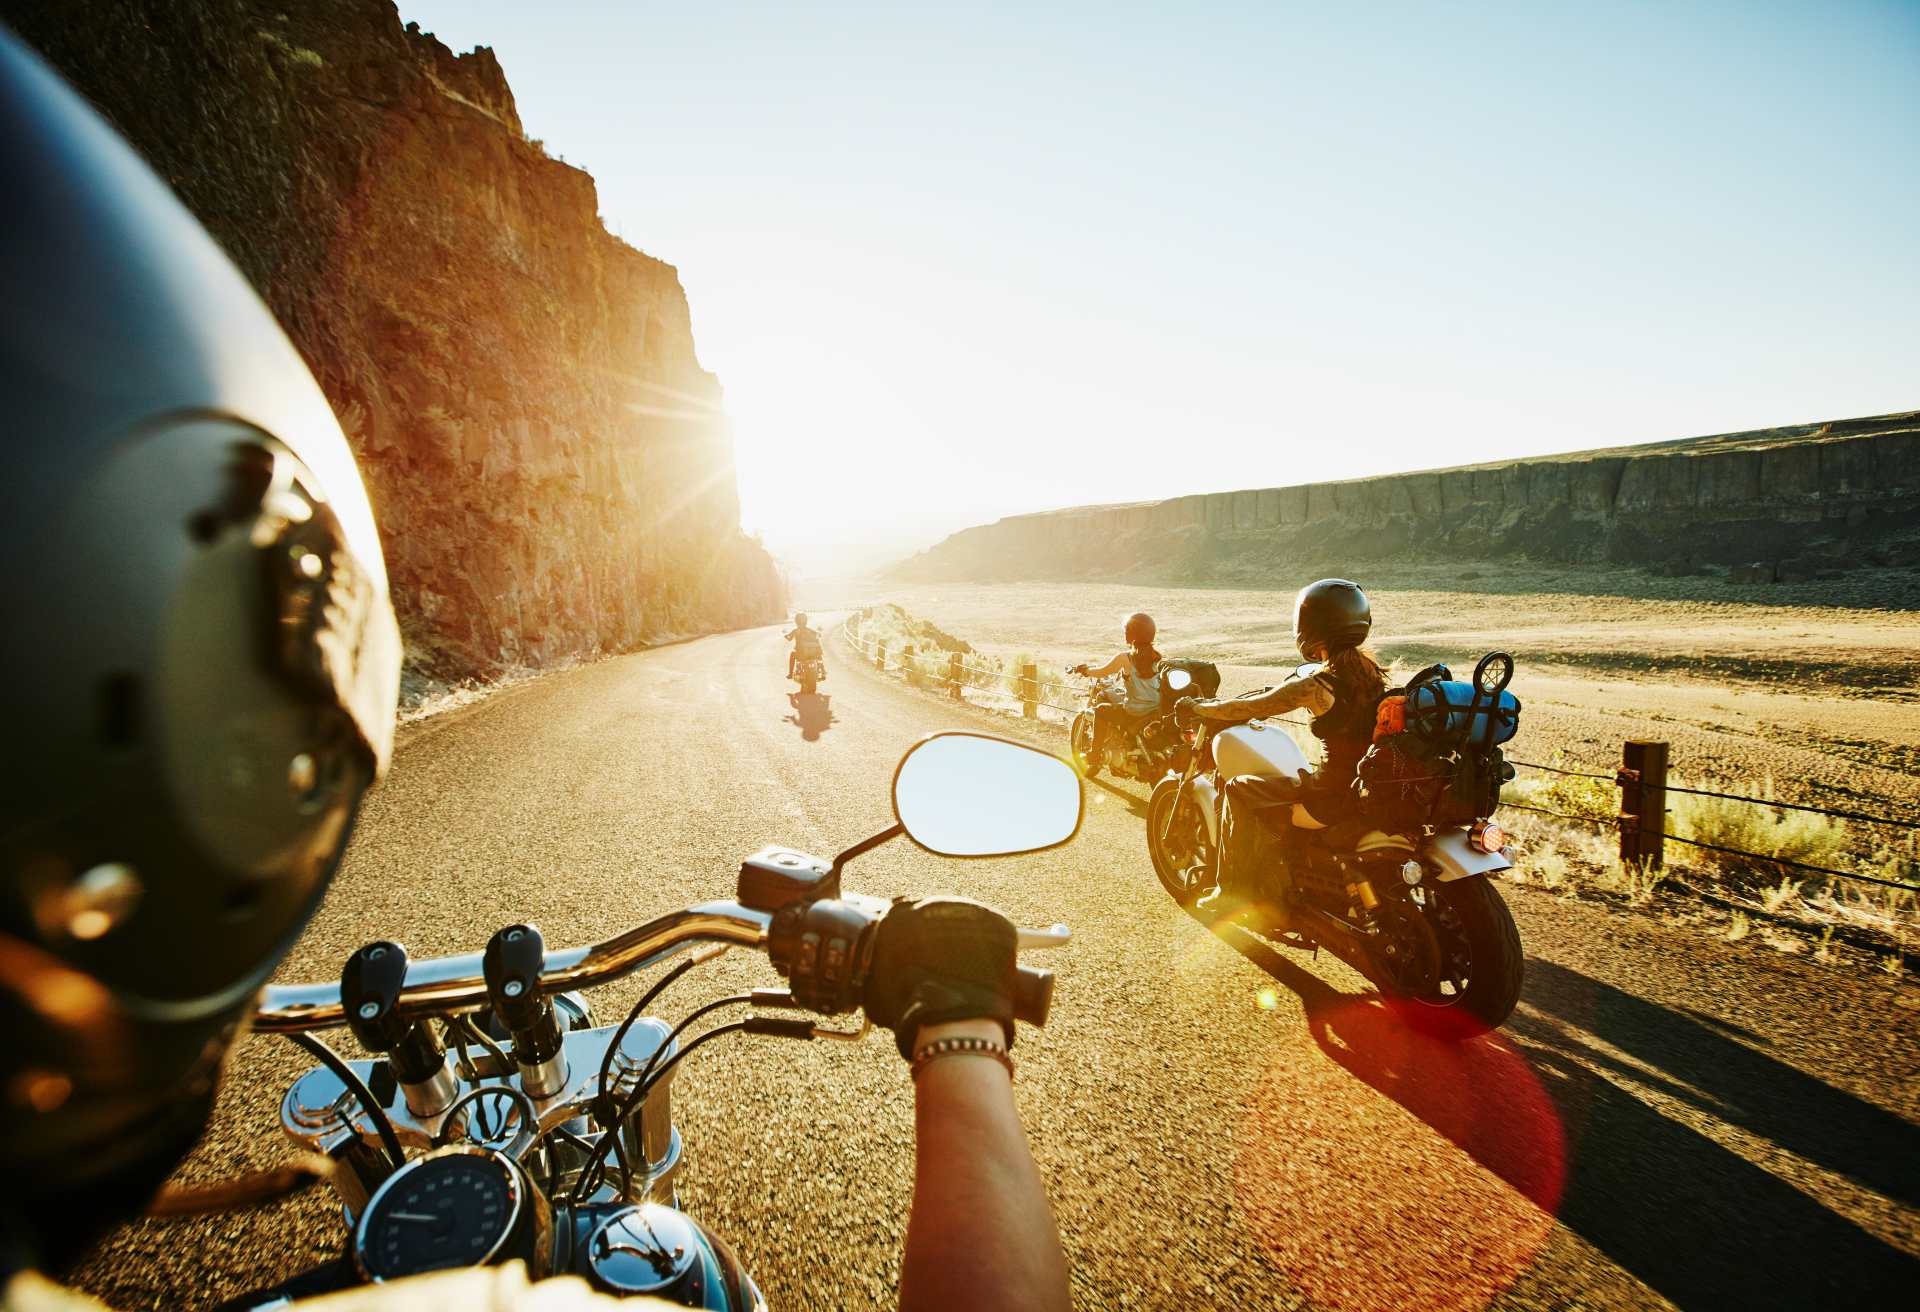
[(1308, 670), (1178, 679), (965, 794)]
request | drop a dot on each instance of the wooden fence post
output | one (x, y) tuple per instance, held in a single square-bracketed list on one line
[(1030, 691), (880, 653), (1643, 803), (953, 675), (907, 664)]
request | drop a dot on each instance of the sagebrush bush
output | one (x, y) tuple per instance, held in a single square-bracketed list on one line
[(1589, 799), (1803, 836)]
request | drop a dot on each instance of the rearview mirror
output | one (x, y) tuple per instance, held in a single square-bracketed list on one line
[(1179, 680), (1308, 670), (967, 794)]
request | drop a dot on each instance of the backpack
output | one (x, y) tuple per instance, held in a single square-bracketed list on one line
[(1435, 758)]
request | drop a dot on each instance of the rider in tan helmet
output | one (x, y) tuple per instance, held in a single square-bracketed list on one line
[(1138, 663), (1331, 619)]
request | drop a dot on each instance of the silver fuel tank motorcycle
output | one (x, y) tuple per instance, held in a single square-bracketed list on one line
[(497, 1121), (1404, 895)]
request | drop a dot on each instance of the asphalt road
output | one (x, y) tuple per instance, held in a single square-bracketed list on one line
[(1667, 1119)]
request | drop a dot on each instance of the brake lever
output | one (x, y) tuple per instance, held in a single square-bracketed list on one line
[(1054, 936)]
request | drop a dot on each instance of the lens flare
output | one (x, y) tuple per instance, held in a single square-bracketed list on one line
[(1389, 1170)]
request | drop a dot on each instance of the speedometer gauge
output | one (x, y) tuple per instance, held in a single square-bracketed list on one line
[(457, 1207)]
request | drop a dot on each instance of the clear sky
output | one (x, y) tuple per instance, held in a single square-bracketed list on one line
[(952, 262)]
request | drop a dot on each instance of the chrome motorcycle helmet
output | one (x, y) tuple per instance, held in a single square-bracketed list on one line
[(202, 664), (1330, 615), (1139, 629)]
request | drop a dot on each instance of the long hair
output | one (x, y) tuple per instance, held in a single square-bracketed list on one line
[(1356, 671)]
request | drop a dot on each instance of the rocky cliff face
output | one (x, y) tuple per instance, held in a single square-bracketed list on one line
[(551, 466), (1772, 503)]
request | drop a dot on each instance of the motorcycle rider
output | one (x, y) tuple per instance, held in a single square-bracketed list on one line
[(1142, 701), (1331, 619), (806, 644), (200, 682)]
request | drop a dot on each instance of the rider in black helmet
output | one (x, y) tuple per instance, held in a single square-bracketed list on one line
[(1143, 693), (200, 673), (1331, 619)]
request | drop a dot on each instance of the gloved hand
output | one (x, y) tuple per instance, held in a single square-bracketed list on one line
[(941, 959), (1186, 712)]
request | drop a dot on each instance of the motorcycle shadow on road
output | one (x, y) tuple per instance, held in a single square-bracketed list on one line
[(1678, 1210), (812, 712), (1135, 804)]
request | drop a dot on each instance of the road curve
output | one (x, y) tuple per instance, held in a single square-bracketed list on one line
[(1666, 1120)]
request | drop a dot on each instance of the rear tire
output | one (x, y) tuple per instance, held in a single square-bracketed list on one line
[(806, 687), (1080, 744), (1174, 859), (1482, 963)]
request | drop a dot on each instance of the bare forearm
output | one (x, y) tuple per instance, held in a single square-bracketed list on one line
[(981, 1235), (1289, 696)]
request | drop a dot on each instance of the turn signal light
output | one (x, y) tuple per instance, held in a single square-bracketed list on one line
[(1488, 837)]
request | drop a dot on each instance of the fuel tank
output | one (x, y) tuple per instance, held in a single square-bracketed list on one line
[(1253, 748)]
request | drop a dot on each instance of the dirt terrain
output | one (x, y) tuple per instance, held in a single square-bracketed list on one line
[(1822, 699)]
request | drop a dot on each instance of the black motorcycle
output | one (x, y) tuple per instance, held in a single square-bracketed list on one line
[(1404, 894), (1153, 747)]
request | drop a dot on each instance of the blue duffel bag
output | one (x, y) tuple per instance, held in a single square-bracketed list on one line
[(1444, 715)]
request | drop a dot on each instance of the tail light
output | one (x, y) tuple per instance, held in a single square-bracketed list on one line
[(1488, 837)]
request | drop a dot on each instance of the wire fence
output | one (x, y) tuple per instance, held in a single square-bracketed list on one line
[(1860, 816), (1770, 858), (1014, 677)]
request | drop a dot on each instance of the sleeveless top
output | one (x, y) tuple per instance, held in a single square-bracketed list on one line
[(1347, 730), (1143, 695)]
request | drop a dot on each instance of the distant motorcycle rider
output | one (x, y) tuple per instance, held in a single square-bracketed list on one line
[(806, 644), (1331, 619), (1138, 664), (200, 669)]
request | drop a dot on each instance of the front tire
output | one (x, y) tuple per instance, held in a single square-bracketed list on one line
[(1080, 744), (1482, 965), (1183, 860)]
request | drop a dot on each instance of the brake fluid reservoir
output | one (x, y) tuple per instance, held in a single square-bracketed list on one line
[(1255, 749)]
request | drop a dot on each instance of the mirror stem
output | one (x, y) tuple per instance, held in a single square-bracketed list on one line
[(860, 848)]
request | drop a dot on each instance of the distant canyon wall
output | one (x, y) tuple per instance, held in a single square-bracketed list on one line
[(551, 466), (1768, 502)]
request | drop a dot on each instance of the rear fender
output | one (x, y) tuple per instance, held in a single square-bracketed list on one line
[(1453, 857)]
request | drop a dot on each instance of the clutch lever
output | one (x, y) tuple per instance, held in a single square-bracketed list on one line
[(1054, 936)]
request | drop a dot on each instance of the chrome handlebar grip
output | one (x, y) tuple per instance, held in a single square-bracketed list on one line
[(443, 985)]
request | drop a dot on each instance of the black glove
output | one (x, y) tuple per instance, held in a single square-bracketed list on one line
[(941, 959), (1186, 713)]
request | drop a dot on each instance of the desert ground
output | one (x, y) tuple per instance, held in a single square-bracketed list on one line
[(1821, 699)]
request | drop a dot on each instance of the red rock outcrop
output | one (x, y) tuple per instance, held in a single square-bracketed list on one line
[(551, 466)]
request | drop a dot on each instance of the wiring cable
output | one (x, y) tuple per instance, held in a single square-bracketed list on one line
[(358, 1088), (610, 1138)]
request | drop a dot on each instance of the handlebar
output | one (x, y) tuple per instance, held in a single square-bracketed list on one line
[(445, 985)]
